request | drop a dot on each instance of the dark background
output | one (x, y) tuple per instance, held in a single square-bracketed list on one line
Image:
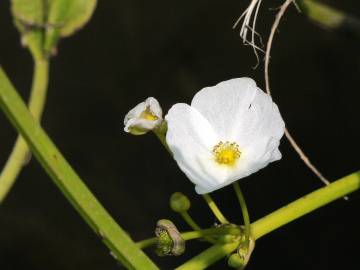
[(133, 49)]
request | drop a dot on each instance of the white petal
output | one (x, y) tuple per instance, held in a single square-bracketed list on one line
[(191, 140), (135, 112), (137, 125), (235, 111), (223, 104), (261, 120), (154, 106)]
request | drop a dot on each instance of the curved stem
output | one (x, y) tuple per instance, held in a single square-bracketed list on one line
[(20, 153), (212, 205), (195, 235), (244, 211)]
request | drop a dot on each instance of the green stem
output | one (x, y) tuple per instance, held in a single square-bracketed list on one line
[(189, 220), (279, 218), (212, 205), (20, 152), (329, 17), (305, 205), (160, 133), (117, 240), (209, 257), (244, 211), (195, 235)]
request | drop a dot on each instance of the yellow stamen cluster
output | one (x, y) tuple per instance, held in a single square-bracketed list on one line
[(226, 152), (148, 115)]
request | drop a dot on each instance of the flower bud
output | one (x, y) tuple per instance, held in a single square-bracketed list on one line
[(143, 117), (170, 241), (236, 261), (179, 202)]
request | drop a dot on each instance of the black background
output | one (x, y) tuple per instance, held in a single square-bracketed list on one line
[(133, 49)]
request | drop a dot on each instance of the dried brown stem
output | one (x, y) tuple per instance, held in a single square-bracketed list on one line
[(290, 138)]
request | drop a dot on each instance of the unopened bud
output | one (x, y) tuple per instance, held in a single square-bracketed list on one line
[(143, 117), (179, 202), (236, 261)]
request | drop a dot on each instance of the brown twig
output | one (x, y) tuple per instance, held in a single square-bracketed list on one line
[(290, 138)]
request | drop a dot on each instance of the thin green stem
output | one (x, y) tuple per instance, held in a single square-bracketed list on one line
[(244, 211), (20, 153), (190, 221), (195, 235), (279, 218), (161, 135), (212, 205), (74, 189)]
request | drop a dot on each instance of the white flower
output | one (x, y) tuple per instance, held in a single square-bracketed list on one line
[(143, 117), (230, 131)]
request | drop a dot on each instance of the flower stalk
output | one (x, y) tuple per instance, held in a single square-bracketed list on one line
[(215, 209), (245, 213)]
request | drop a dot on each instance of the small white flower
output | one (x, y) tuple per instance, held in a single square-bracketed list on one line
[(230, 131), (143, 117)]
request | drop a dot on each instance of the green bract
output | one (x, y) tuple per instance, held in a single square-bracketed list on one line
[(42, 23)]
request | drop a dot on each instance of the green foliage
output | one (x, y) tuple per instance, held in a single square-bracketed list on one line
[(42, 23)]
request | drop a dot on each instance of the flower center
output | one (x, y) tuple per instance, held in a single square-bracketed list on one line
[(226, 152), (148, 115)]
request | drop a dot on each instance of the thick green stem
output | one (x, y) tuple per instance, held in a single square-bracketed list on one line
[(305, 205), (117, 240), (20, 152), (279, 218), (212, 205), (244, 211), (208, 257)]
